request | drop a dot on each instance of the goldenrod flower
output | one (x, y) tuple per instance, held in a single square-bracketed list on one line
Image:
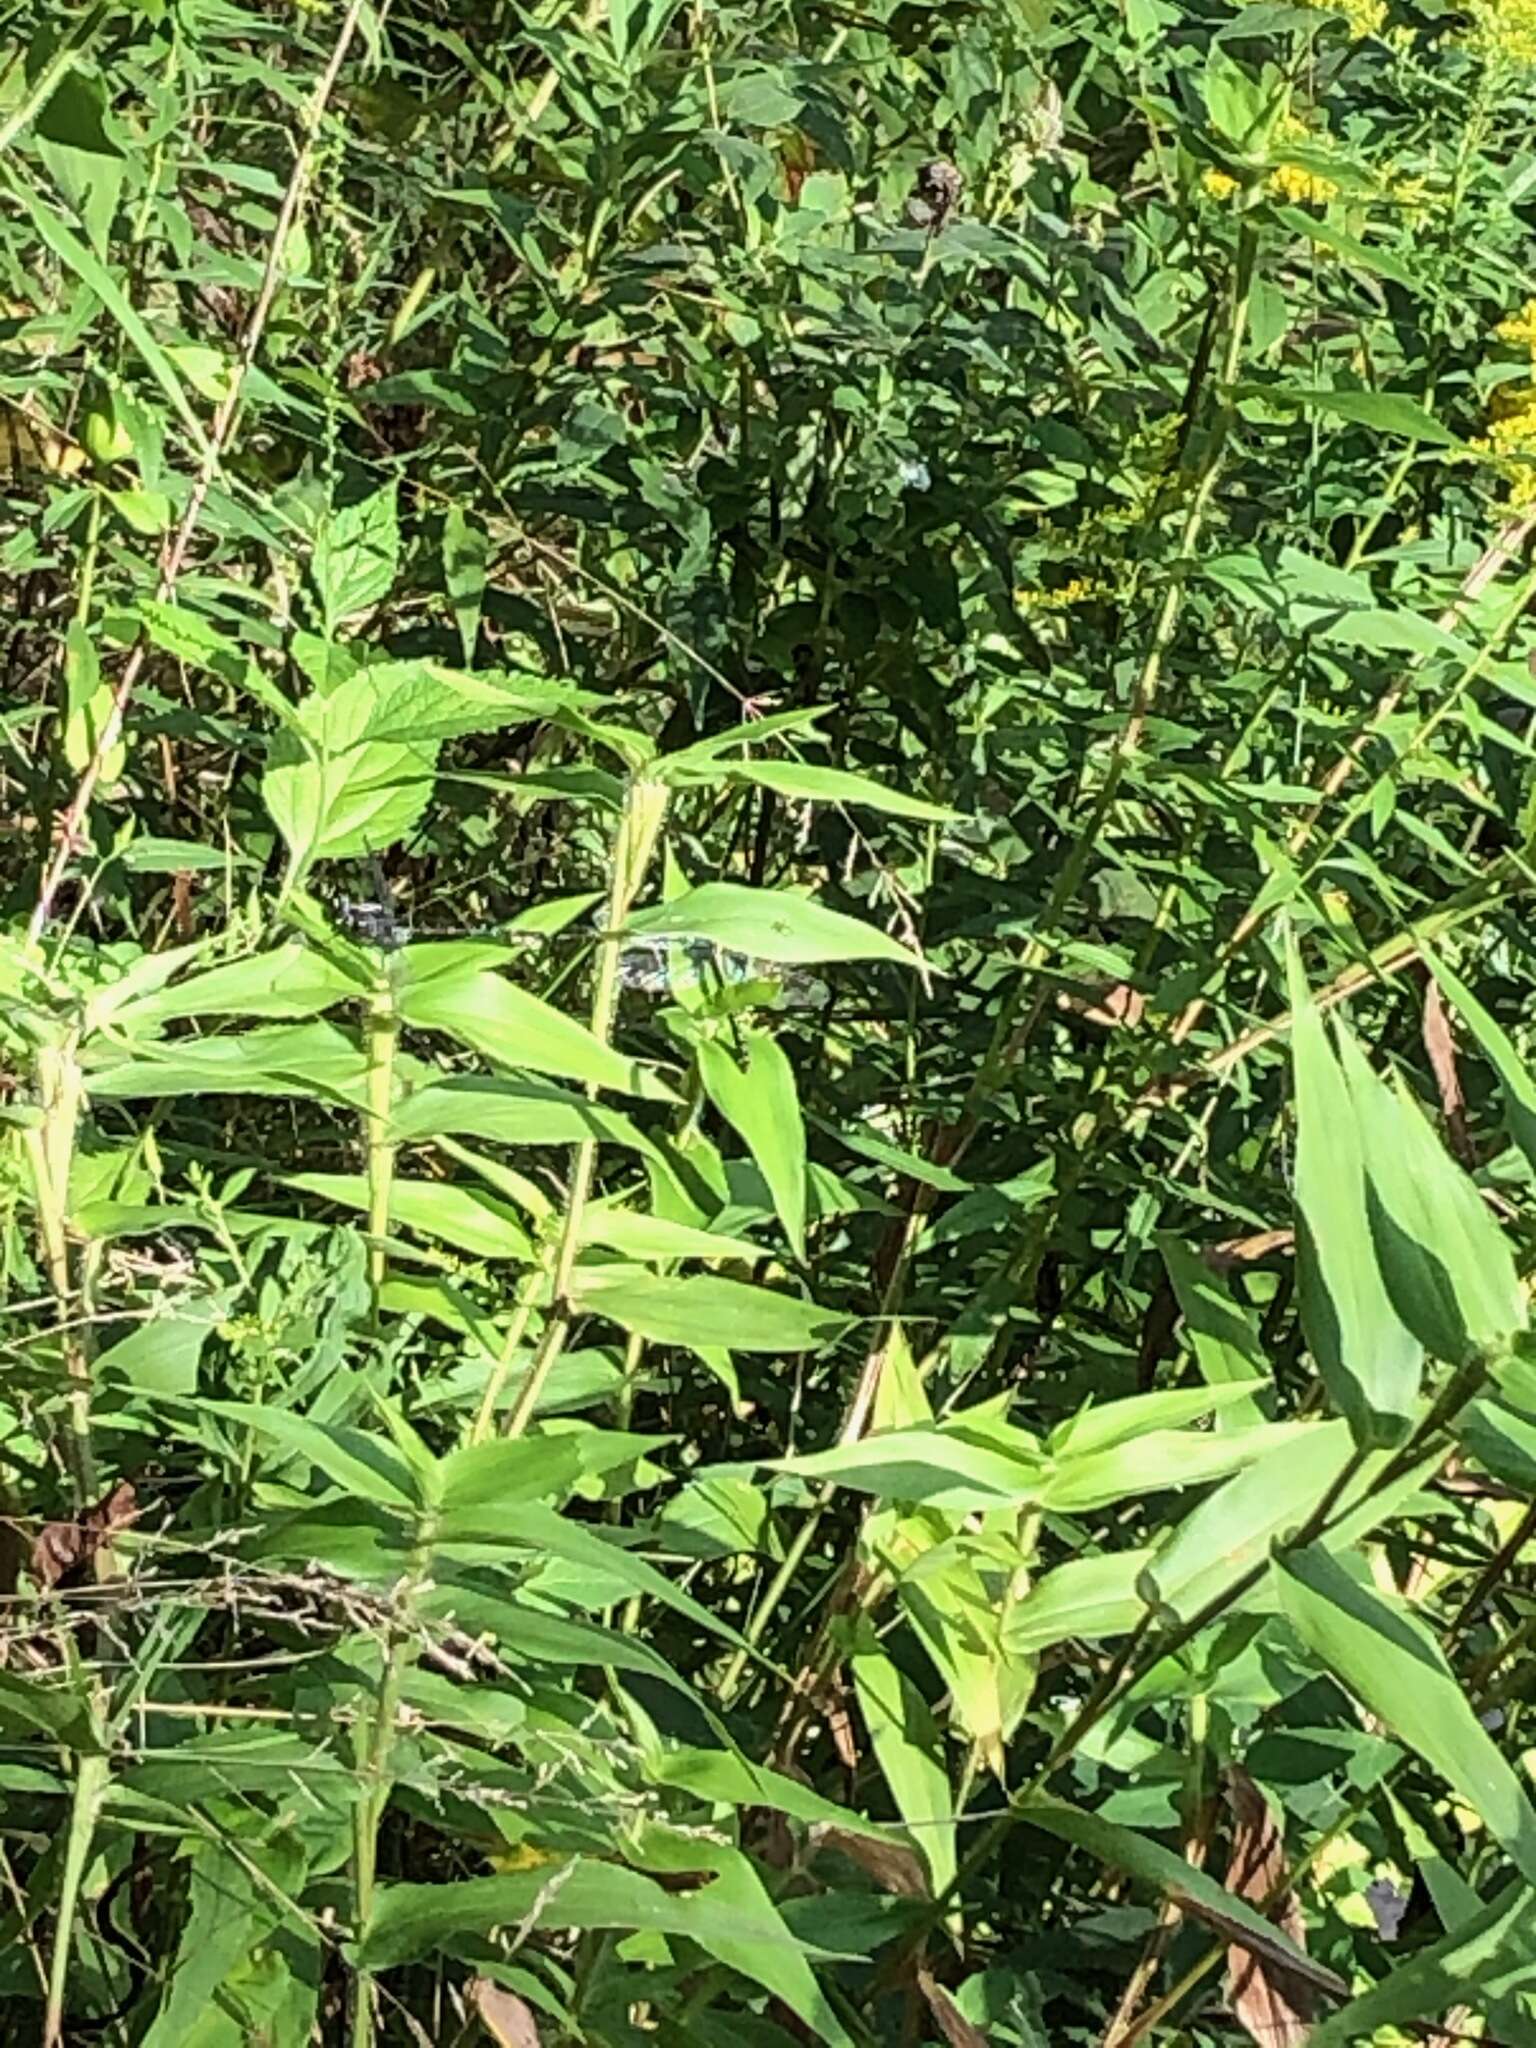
[(1301, 186), (1416, 198), (1079, 590), (1294, 181), (1519, 330), (1218, 184), (1505, 29), (1510, 442)]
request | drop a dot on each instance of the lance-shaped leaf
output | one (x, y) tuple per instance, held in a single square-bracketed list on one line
[(1446, 1265), (1387, 1658), (1369, 1361)]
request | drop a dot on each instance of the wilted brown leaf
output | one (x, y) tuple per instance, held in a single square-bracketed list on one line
[(891, 1864), (1441, 1047), (505, 2017), (952, 2022), (1244, 1251), (1266, 1996), (64, 1549), (1116, 1006)]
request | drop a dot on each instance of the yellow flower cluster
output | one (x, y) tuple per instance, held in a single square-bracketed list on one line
[(1080, 590), (1365, 17), (1294, 181), (1417, 198), (1302, 187), (1511, 437), (1519, 330), (1218, 184), (1505, 29)]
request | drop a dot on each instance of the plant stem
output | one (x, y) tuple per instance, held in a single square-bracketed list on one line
[(50, 1148), (383, 1046), (92, 1774), (639, 826), (517, 1329), (378, 1741)]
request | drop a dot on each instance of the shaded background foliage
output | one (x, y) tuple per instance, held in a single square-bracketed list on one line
[(1113, 424)]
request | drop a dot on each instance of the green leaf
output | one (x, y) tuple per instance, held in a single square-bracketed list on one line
[(1121, 1848), (769, 923), (291, 981), (189, 637), (52, 229), (910, 1751), (1088, 1597), (759, 1100), (353, 768), (497, 1476), (1106, 1425), (438, 1210), (287, 1059), (1388, 410), (701, 1310), (731, 1918), (1501, 1434), (161, 1355), (643, 1237), (1368, 1359), (1447, 1268), (802, 780), (510, 1113), (466, 553), (515, 1029), (356, 555), (1222, 1335), (927, 1466), (1486, 1959), (363, 1464), (541, 1533), (1388, 1659), (1231, 1533), (1158, 1459)]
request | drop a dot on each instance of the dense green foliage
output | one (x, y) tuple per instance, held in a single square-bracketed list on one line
[(711, 1335)]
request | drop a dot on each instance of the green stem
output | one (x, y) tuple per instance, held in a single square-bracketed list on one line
[(383, 1045), (644, 809), (92, 1774), (50, 1148), (517, 1329), (378, 1742)]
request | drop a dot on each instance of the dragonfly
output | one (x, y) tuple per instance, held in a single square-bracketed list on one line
[(686, 967)]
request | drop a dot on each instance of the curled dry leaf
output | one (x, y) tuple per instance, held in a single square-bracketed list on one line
[(1267, 1999), (951, 2021), (64, 1549), (1245, 1251), (892, 1865), (505, 2017), (1440, 1044), (1113, 1007)]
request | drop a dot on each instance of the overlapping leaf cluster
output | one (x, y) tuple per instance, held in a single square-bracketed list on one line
[(764, 1023)]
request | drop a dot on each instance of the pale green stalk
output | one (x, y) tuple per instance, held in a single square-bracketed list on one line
[(91, 1779), (645, 807), (383, 1047)]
